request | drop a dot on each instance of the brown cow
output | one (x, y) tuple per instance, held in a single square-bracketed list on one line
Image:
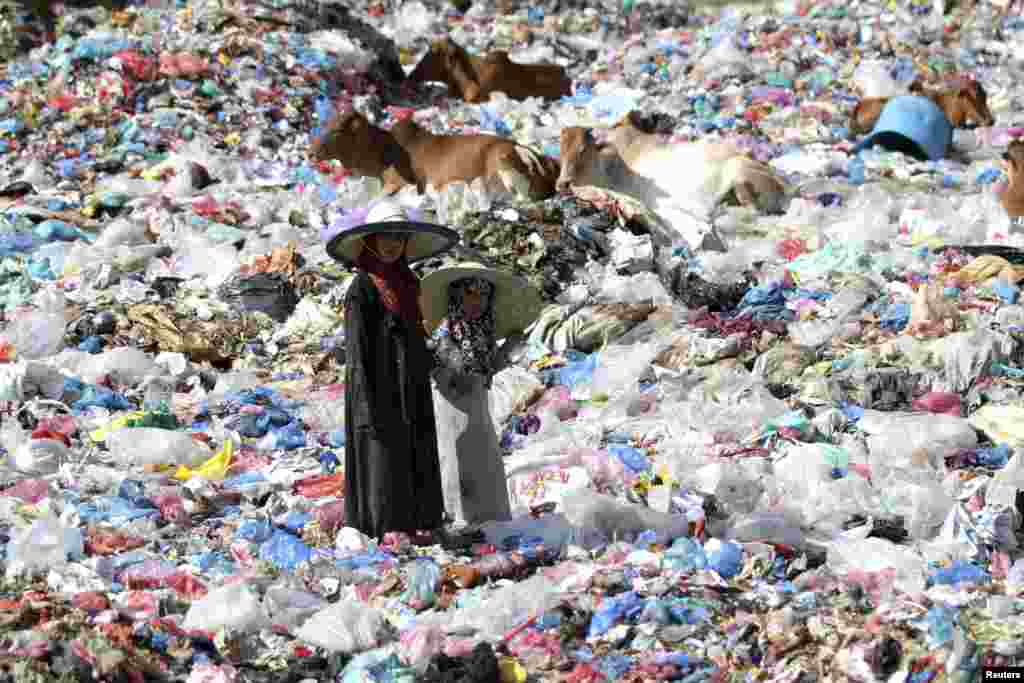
[(441, 159), (967, 102), (365, 149), (473, 79), (407, 154)]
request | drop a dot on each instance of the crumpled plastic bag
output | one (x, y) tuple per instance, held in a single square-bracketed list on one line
[(22, 381), (36, 335), (235, 606), (420, 644), (873, 79), (766, 527), (212, 673), (614, 519), (43, 546), (967, 356), (911, 440), (877, 554), (290, 608), (631, 253), (493, 614), (512, 391), (153, 446), (346, 627)]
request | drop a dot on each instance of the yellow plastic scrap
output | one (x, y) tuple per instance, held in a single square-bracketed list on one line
[(665, 475), (157, 171), (983, 268), (511, 670), (100, 435), (214, 469), (1001, 423)]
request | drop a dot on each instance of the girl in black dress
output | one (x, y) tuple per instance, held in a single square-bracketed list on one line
[(392, 475)]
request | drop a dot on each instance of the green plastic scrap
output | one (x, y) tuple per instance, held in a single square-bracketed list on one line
[(844, 257), (219, 232), (16, 286)]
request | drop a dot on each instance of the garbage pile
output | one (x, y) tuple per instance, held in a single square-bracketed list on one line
[(739, 444)]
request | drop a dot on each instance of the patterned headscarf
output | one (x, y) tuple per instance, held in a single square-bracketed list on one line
[(469, 344), (398, 286)]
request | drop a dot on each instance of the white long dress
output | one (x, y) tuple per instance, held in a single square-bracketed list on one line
[(472, 467)]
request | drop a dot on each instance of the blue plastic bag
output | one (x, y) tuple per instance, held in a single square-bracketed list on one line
[(686, 555), (633, 458), (285, 551), (724, 558), (613, 611)]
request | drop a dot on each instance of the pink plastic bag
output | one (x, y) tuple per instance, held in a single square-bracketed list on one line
[(172, 509), (331, 516), (29, 490), (177, 65), (420, 644), (942, 403), (603, 468), (558, 400), (459, 647), (137, 65)]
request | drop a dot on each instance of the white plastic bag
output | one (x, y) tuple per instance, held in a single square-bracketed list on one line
[(915, 439), (234, 606), (290, 608), (345, 627), (876, 554), (631, 253), (153, 446), (512, 390), (873, 79), (501, 610), (36, 335), (45, 545), (614, 519)]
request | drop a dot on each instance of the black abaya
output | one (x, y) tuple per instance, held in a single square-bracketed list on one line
[(392, 472)]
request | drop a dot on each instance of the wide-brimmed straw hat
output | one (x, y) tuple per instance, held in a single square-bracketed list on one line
[(424, 239), (516, 303)]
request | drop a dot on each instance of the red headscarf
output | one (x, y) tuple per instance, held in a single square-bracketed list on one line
[(398, 286)]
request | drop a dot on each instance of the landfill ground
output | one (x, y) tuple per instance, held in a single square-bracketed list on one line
[(787, 453)]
